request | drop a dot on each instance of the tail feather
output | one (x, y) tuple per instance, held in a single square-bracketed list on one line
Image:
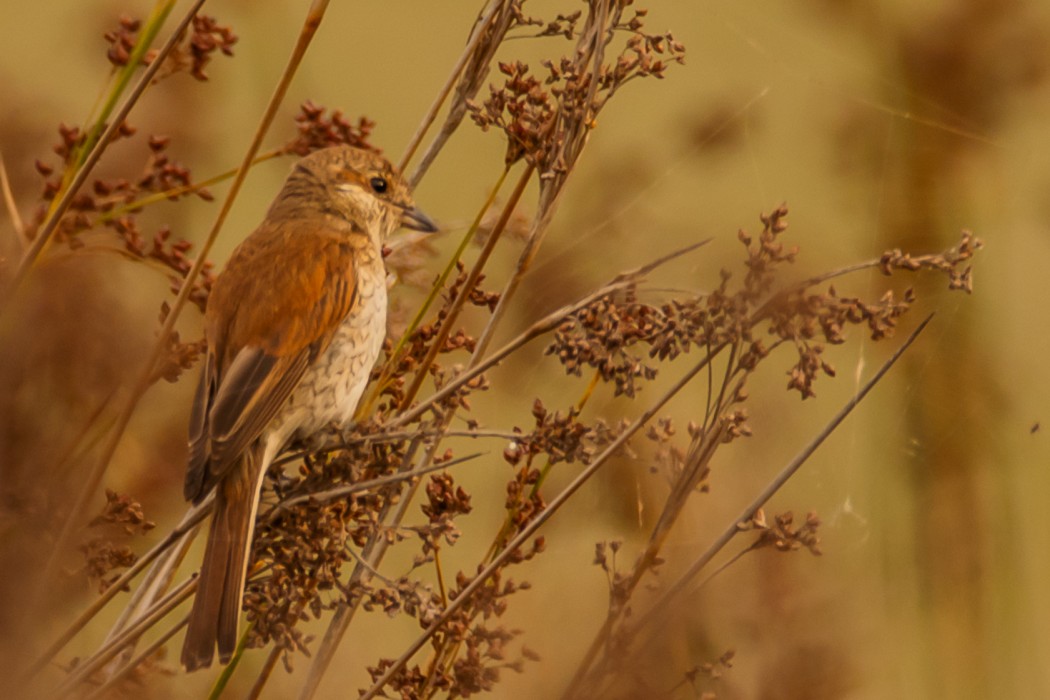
[(220, 589)]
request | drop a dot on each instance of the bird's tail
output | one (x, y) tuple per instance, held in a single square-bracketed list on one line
[(220, 588)]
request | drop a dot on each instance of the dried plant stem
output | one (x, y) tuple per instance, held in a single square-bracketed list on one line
[(109, 96), (150, 28), (480, 26), (445, 656), (532, 527), (480, 52), (396, 437), (134, 663), (472, 280), (788, 471), (499, 540), (114, 647), (544, 325), (12, 207), (698, 461), (367, 565), (590, 51), (264, 674), (536, 236), (654, 613), (85, 168), (697, 464), (312, 22)]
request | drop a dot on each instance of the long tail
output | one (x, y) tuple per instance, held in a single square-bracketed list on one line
[(220, 590)]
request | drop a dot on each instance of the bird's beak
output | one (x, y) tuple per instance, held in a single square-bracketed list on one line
[(414, 219)]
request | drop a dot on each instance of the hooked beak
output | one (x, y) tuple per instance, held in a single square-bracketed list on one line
[(418, 221)]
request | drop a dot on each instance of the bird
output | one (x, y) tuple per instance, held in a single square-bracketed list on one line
[(293, 324)]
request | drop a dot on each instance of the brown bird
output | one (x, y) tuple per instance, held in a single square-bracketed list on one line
[(294, 324)]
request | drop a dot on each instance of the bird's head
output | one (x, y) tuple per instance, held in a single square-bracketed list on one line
[(358, 185)]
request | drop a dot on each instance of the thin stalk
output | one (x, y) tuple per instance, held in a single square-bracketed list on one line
[(108, 97), (12, 207), (110, 650), (227, 672), (544, 325), (536, 236), (786, 473), (162, 572), (499, 540), (371, 484), (150, 28), (395, 437), (472, 280), (149, 651), (545, 470), (428, 119), (264, 674)]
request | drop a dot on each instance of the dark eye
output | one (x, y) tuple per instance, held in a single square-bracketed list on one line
[(378, 184)]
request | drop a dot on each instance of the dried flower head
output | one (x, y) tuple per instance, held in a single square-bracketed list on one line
[(317, 131)]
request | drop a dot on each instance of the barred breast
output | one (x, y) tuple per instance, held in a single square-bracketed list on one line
[(331, 388)]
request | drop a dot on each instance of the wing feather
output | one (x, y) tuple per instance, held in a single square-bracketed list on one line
[(200, 439)]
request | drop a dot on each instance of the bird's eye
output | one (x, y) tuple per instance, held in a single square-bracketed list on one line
[(379, 185)]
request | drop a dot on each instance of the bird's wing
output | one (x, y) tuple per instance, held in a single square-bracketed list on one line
[(271, 313)]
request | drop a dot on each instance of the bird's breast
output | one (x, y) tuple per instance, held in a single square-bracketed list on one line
[(331, 388)]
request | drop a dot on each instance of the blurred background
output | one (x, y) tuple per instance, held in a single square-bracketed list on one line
[(882, 124)]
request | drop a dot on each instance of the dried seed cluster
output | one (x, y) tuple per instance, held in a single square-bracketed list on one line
[(304, 542), (483, 645), (191, 55), (546, 120), (108, 552), (318, 130), (560, 437), (604, 335), (950, 262), (783, 535)]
